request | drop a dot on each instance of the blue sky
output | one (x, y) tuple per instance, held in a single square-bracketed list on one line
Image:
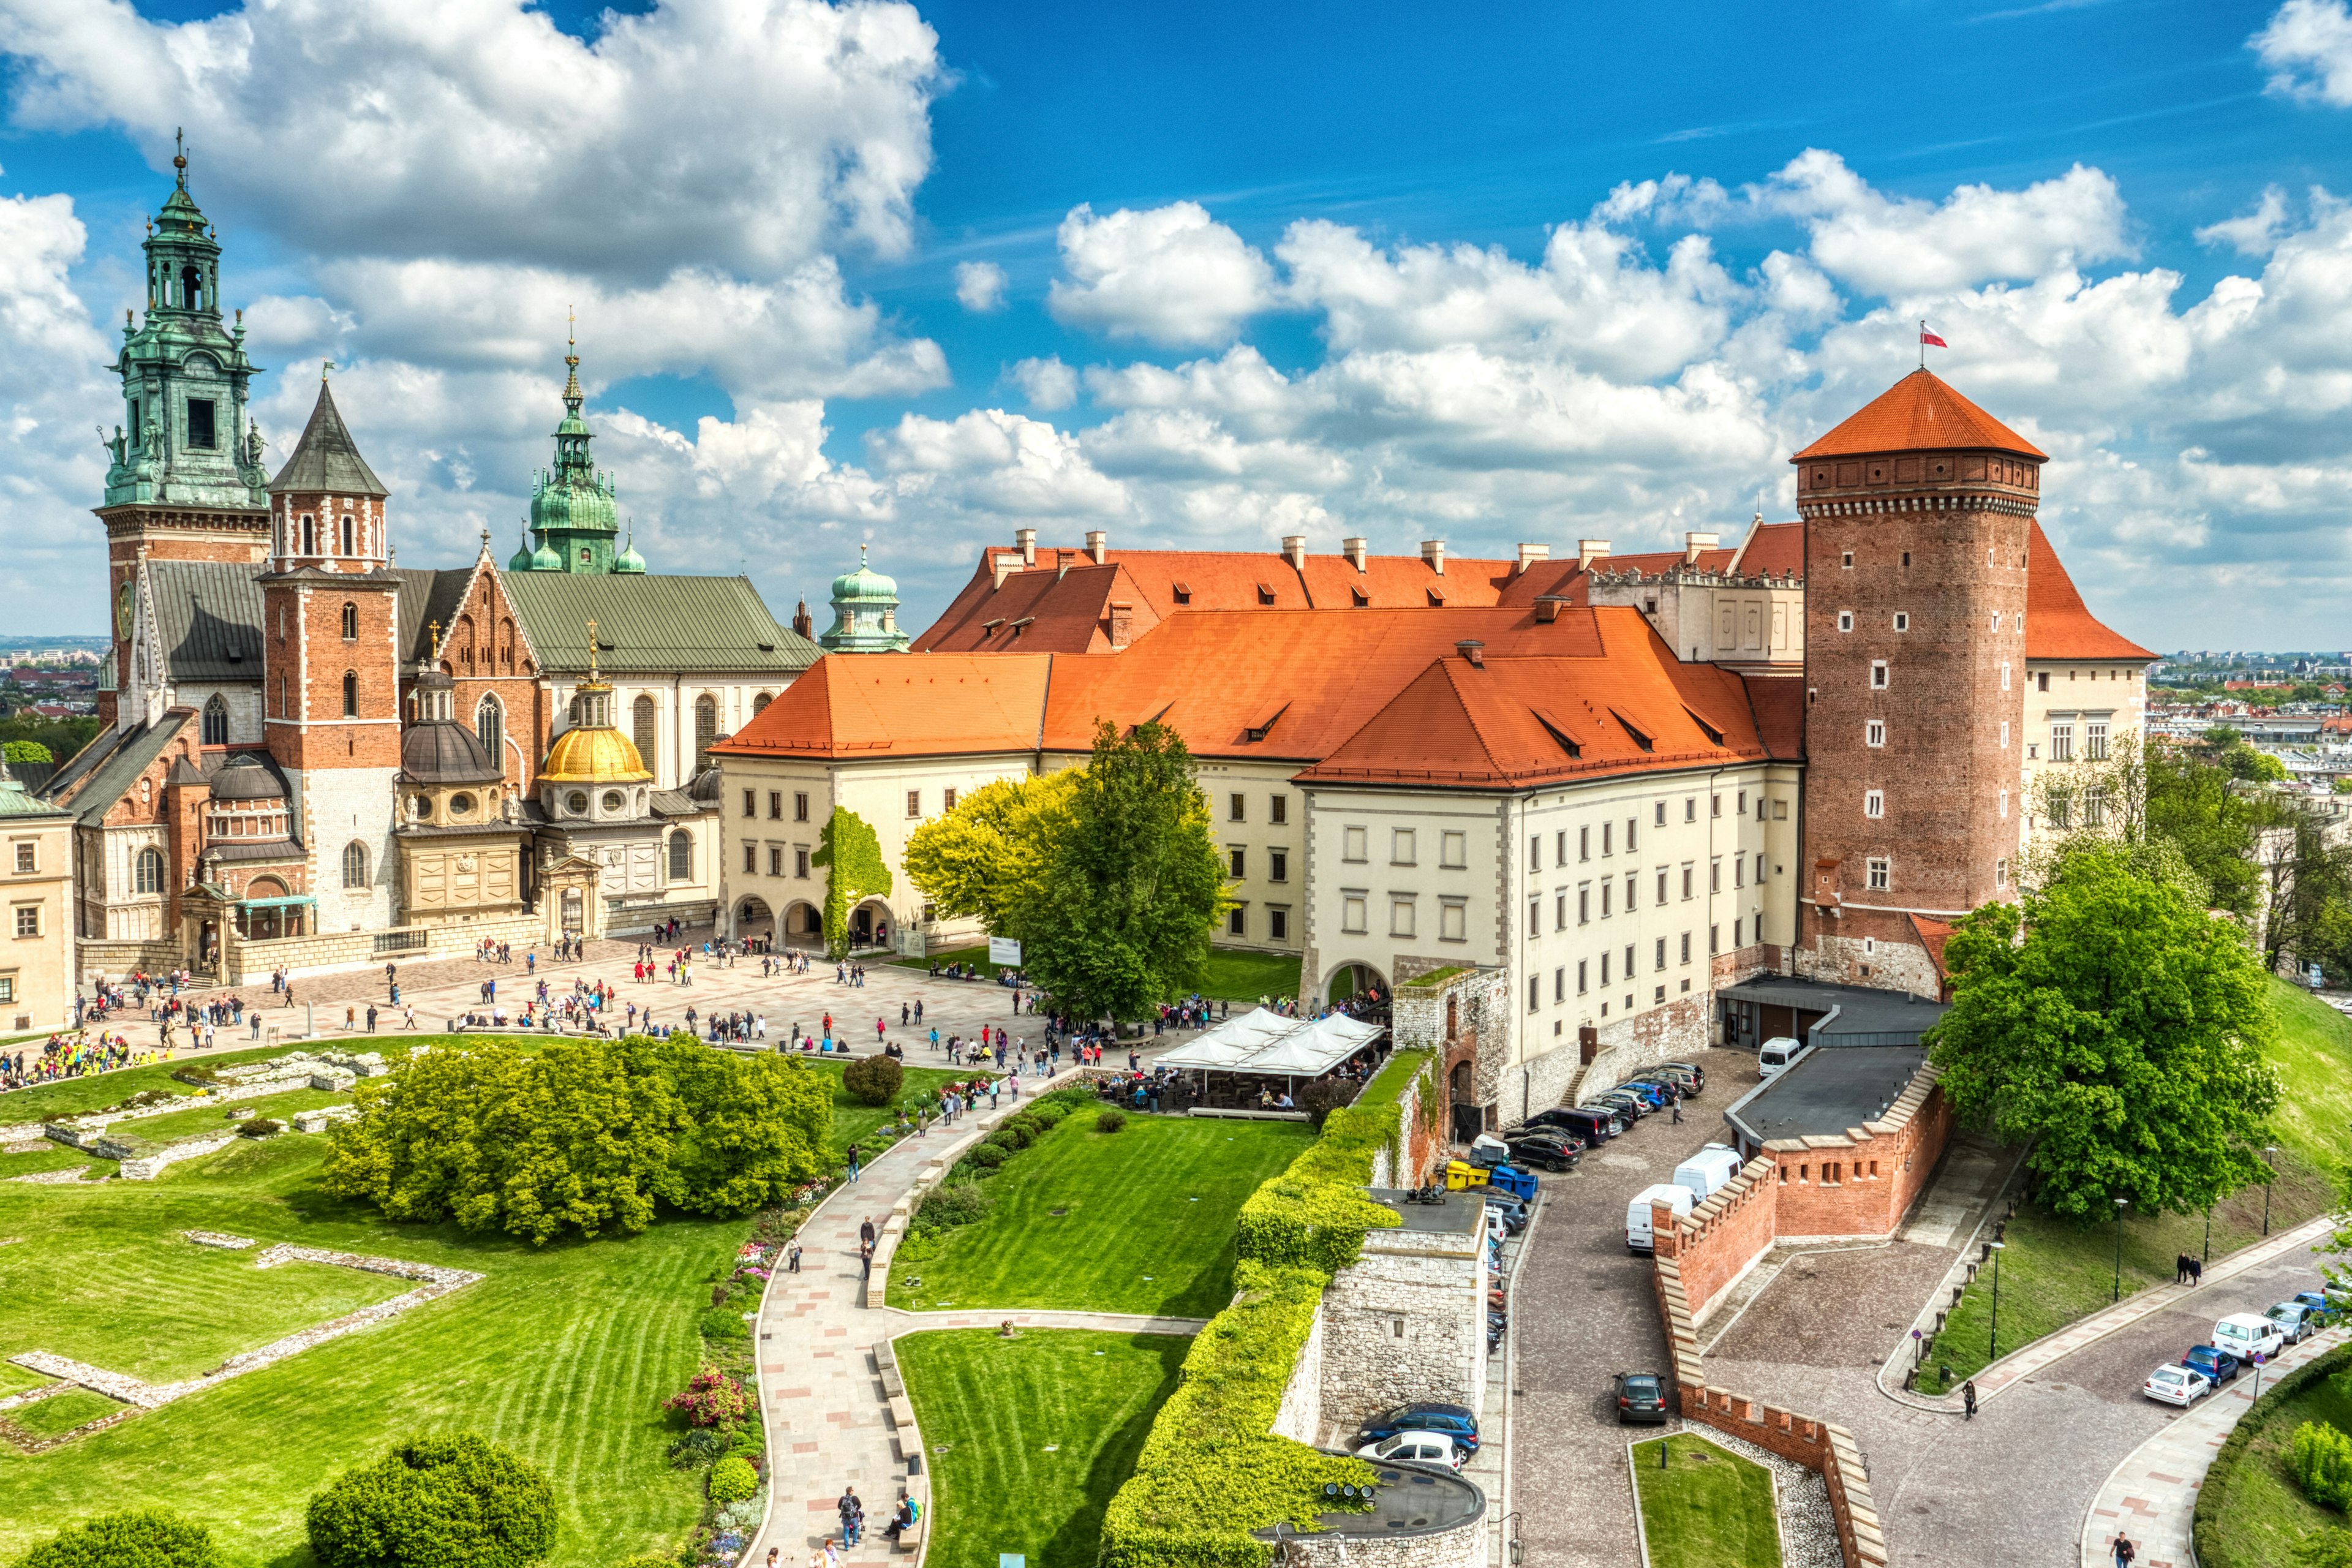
[(1340, 268)]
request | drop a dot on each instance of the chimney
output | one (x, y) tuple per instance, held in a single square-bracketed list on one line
[(1588, 551), (1548, 607), (1433, 552), (1097, 545), (1474, 650), (1531, 553), (1294, 550), (1355, 551), (1123, 622), (1694, 542), (1005, 567), (1025, 540)]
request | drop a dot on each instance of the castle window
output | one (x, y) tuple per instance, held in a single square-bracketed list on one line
[(1845, 620), (1848, 562), (2042, 680), (2000, 873), (309, 543), (215, 721), (1902, 621), (147, 872), (462, 803), (1881, 875), (350, 694), (1874, 732), (800, 807), (201, 434), (706, 730), (614, 800), (346, 537), (489, 728), (2095, 740), (2062, 741), (576, 803), (355, 869), (1873, 802), (351, 623), (681, 856), (192, 288), (641, 725), (1878, 674)]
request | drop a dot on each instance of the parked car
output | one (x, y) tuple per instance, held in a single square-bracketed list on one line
[(1511, 1214), (1773, 1057), (2328, 1308), (1549, 1150), (1456, 1421), (1650, 1094), (1708, 1171), (2246, 1336), (1416, 1449), (1594, 1125), (1641, 1396), (1562, 1117), (2298, 1320), (1698, 1073), (1638, 1218), (1623, 1104), (2216, 1365), (2179, 1386)]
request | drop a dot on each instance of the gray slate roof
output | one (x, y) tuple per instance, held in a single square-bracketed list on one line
[(426, 597), (655, 624), (210, 616), (119, 768), (326, 461)]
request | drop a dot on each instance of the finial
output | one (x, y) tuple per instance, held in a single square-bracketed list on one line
[(179, 156), (485, 539), (861, 556), (324, 366), (591, 651), (572, 393), (433, 636)]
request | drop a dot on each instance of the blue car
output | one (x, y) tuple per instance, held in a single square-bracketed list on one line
[(1654, 1093), (2218, 1364), (1455, 1421), (2328, 1308)]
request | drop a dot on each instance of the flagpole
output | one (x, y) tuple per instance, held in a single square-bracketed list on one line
[(1923, 342)]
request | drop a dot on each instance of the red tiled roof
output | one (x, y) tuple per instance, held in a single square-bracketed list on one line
[(1933, 935), (1918, 413), (2058, 625), (1773, 549), (863, 704)]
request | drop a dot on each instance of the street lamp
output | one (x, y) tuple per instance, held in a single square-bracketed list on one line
[(1992, 1348), (2267, 1152), (2119, 1248)]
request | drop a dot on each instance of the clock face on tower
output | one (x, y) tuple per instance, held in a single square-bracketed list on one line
[(122, 610)]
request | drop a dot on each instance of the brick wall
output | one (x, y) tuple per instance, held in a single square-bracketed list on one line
[(304, 717), (1719, 1240), (1863, 1182)]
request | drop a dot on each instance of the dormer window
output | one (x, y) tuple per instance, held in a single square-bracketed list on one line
[(1182, 590)]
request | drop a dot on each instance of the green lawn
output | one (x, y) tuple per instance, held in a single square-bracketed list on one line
[(1147, 1226), (2262, 1514), (2053, 1272), (563, 1352), (74, 1096), (63, 1412), (54, 1157), (213, 1116), (854, 1121), (1708, 1508), (1028, 1438), (1231, 974)]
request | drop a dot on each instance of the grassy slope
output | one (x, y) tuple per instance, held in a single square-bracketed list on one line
[(1707, 1509), (63, 1412), (990, 1408), (2266, 1514), (74, 1096), (562, 1353), (1132, 1240), (2052, 1272)]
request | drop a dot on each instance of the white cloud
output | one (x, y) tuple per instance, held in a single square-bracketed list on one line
[(2308, 45), (1171, 274), (51, 357), (1047, 383), (980, 286), (994, 462), (2254, 233)]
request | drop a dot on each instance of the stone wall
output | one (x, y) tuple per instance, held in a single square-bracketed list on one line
[(1863, 1181), (1720, 1239), (147, 1167), (342, 953), (1462, 1545), (1406, 1320), (1300, 1418)]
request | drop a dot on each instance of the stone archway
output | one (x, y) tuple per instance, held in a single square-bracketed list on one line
[(754, 921), (870, 924), (1350, 981), (802, 925)]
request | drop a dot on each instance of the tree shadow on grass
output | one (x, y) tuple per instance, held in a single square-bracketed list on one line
[(1078, 1542)]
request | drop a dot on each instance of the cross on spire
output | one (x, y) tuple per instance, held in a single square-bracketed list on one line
[(572, 393), (179, 156), (591, 651)]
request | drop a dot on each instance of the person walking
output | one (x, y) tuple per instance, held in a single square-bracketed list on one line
[(2126, 1552), (1676, 1102), (866, 1232), (1969, 1399), (793, 1257), (847, 1508), (853, 1161), (865, 1271)]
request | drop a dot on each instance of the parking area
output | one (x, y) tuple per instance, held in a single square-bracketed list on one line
[(1583, 1311)]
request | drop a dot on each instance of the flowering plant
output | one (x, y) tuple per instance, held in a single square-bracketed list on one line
[(711, 1399)]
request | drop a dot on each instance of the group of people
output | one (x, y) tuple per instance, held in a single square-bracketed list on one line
[(851, 1511), (69, 1057)]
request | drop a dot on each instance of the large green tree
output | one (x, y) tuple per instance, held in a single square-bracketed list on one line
[(851, 854), (2197, 803), (2117, 1025), (1132, 884), (986, 859), (585, 1135), (458, 1501)]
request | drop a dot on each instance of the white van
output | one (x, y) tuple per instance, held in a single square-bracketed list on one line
[(2242, 1334), (1777, 1053), (1706, 1172), (1638, 1237)]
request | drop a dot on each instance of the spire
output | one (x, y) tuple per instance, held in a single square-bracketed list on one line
[(179, 156), (326, 461), (571, 393)]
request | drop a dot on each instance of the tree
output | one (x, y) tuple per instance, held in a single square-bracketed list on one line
[(2305, 889), (25, 752), (437, 1502), (2195, 802), (987, 856), (586, 1135), (141, 1538), (854, 871), (2117, 1025), (1132, 883), (873, 1080)]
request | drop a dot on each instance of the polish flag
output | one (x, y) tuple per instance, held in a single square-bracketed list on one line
[(1930, 339)]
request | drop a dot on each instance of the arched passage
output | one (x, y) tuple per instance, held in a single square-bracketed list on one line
[(803, 925), (1350, 981), (754, 921), (869, 924)]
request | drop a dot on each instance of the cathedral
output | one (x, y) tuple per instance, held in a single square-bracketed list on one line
[(314, 758)]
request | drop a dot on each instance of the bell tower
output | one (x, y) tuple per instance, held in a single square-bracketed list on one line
[(183, 478), (1917, 514)]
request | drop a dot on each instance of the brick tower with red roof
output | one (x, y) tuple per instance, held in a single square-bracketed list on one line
[(1918, 513)]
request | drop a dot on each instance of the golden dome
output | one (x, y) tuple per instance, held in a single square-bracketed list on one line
[(586, 754)]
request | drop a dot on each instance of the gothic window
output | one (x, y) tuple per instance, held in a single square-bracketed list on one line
[(201, 434), (760, 703), (681, 856), (215, 721), (505, 645), (705, 729), (490, 726), (347, 537), (310, 535), (355, 865), (642, 730), (147, 872), (350, 694), (351, 623)]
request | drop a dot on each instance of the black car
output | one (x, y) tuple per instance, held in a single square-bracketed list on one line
[(1456, 1421), (1641, 1396), (1592, 1125), (1546, 1150)]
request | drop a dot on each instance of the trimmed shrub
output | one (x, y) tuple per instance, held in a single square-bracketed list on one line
[(987, 1157), (954, 1204), (919, 1247), (711, 1398), (701, 1446), (1323, 1096), (1013, 1136), (1027, 1121), (1110, 1119), (141, 1538), (749, 1442), (733, 1480), (874, 1080), (1047, 1117), (2321, 1462), (724, 1324), (260, 1127), (436, 1502)]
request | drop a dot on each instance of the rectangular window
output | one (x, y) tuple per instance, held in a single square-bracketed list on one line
[(749, 808), (1453, 921), (1560, 985), (2000, 873), (776, 805), (1687, 880), (1606, 850), (1401, 847), (2095, 739), (1629, 965), (1631, 878), (1715, 875), (1740, 871), (1662, 885), (1581, 986), (914, 802), (28, 919), (948, 800), (9, 981), (1454, 850), (1902, 621), (1874, 732), (2062, 741), (1535, 853), (1690, 809), (1713, 943), (1881, 876), (1878, 674), (1685, 947), (1278, 865), (1278, 809), (1560, 847), (1738, 926), (1715, 805), (1584, 904), (1535, 916), (1584, 844), (1604, 969), (800, 807), (1632, 843), (1535, 993), (1845, 620), (1277, 925), (1759, 869), (1239, 857), (1658, 816), (1237, 808), (24, 861), (1606, 888), (1741, 808), (1351, 914), (1352, 844), (1237, 920), (799, 863), (1661, 962), (751, 858), (1873, 802), (1401, 919), (1780, 811), (202, 435), (1560, 911), (776, 860)]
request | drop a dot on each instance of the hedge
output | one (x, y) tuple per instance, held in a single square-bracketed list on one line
[(433, 1502), (142, 1538), (732, 1479), (2213, 1497), (1315, 1214)]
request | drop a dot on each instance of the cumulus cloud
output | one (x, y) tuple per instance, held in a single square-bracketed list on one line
[(2308, 45), (1047, 383), (2254, 233), (1171, 275), (980, 286), (1004, 463)]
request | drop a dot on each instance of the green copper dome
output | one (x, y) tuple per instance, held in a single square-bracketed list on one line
[(865, 585), (864, 612), (628, 560), (520, 560), (574, 510)]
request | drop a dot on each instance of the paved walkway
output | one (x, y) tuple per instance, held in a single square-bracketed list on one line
[(2010, 1369), (2152, 1495)]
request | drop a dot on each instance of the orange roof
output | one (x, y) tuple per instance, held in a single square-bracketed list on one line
[(1772, 550), (1918, 413), (863, 704), (2058, 625)]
